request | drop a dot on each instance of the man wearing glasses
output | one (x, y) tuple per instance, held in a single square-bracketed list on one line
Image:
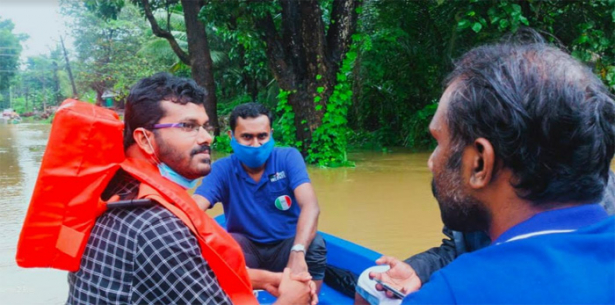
[(269, 203), (168, 252)]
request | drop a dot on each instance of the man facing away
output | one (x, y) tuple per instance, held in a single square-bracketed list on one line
[(525, 139), (269, 203), (149, 254), (424, 264)]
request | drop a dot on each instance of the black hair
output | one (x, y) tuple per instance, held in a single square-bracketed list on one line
[(143, 103), (250, 110), (549, 118)]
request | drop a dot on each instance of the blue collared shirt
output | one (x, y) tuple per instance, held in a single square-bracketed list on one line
[(265, 211), (562, 256)]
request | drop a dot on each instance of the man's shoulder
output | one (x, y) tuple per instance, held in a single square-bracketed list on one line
[(536, 250), (287, 154), (285, 150), (136, 219)]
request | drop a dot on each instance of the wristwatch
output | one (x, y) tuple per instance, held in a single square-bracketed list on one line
[(298, 248)]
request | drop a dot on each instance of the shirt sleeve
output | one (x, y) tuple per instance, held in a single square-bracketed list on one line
[(169, 268), (296, 169), (437, 291), (432, 260), (213, 185)]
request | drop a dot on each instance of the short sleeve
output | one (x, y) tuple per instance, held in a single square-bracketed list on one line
[(169, 268), (213, 185), (296, 169)]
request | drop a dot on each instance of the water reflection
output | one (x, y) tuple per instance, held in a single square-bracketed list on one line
[(21, 149), (385, 203)]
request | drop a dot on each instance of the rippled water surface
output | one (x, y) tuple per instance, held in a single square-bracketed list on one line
[(384, 203)]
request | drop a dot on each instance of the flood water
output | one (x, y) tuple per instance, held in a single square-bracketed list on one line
[(384, 203)]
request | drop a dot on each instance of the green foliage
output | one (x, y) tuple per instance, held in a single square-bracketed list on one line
[(222, 143), (108, 9), (284, 128), (505, 15), (585, 28), (417, 128), (402, 64), (414, 43), (108, 47), (10, 50), (244, 68), (42, 83), (329, 140)]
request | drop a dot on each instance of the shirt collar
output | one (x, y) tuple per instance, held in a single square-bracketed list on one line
[(555, 221), (239, 170)]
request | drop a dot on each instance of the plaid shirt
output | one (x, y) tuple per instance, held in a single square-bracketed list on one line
[(143, 255)]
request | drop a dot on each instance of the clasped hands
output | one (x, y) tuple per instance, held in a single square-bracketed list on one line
[(296, 285)]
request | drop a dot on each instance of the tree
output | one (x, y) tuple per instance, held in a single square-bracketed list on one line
[(10, 50), (198, 56), (305, 55), (106, 47), (305, 45)]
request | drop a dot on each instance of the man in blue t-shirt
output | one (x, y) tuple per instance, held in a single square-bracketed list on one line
[(269, 203), (526, 136)]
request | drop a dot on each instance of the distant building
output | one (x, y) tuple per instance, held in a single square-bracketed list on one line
[(108, 98)]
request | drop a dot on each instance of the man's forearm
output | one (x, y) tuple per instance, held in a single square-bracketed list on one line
[(260, 278), (307, 225)]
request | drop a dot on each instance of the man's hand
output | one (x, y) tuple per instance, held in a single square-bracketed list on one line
[(296, 289), (401, 276), (296, 262), (269, 281)]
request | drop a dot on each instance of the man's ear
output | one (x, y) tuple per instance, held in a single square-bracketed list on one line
[(483, 163), (229, 133), (144, 139)]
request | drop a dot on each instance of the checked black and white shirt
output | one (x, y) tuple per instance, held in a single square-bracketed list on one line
[(143, 255)]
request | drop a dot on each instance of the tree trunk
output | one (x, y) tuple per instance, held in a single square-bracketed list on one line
[(200, 58), (70, 72), (305, 58), (56, 85)]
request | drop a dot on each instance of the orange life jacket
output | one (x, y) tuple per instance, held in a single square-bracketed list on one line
[(220, 250), (84, 152)]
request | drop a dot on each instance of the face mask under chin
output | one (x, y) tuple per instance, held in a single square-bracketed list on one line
[(169, 173)]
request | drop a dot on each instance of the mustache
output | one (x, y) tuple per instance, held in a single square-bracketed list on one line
[(201, 149)]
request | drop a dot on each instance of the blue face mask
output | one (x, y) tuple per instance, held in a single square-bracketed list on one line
[(252, 157), (172, 175)]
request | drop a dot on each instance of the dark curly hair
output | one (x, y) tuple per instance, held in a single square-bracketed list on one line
[(143, 103), (249, 110), (549, 118)]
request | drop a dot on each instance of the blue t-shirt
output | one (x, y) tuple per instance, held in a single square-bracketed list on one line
[(564, 256), (264, 211)]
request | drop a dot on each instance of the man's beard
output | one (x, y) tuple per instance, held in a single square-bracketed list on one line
[(182, 164), (459, 211)]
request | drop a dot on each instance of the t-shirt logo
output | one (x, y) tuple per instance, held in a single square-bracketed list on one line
[(277, 176), (283, 203)]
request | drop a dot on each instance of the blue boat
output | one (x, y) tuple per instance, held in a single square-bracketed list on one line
[(340, 253)]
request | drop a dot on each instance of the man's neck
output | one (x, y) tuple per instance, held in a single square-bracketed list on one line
[(255, 173), (508, 216), (135, 152), (513, 212)]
